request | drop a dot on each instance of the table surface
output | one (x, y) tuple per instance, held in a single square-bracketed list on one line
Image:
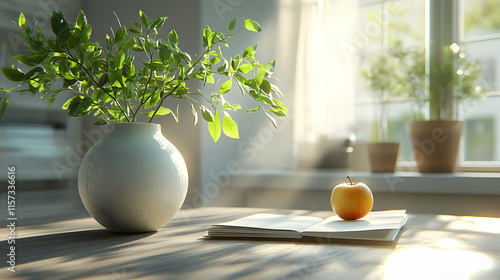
[(429, 247)]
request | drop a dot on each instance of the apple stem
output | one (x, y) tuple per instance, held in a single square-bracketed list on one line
[(349, 179)]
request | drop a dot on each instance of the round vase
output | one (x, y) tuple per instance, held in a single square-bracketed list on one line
[(133, 179)]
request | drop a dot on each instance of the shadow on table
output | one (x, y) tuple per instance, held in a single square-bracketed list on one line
[(71, 245)]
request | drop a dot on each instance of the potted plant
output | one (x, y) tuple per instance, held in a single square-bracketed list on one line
[(435, 142), (385, 76), (133, 179)]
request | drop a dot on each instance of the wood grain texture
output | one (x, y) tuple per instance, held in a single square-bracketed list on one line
[(430, 247)]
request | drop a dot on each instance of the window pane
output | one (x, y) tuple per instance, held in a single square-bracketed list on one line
[(481, 130), (391, 23), (481, 27), (481, 18)]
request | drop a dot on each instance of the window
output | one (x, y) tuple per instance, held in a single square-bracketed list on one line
[(403, 22), (321, 47), (479, 31)]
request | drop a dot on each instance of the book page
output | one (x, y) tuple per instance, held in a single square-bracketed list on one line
[(273, 222), (377, 220)]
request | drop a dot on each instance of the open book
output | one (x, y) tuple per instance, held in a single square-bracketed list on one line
[(377, 225)]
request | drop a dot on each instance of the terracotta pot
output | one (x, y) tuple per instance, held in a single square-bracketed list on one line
[(435, 145), (383, 156)]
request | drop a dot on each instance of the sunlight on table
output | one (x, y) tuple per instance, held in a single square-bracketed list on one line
[(427, 263)]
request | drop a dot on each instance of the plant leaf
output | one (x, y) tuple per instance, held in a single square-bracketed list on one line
[(173, 38), (120, 34), (229, 127), (206, 113), (252, 110), (100, 122), (232, 24), (252, 25), (226, 86), (214, 128), (3, 106), (119, 59), (13, 74), (22, 21), (250, 51), (144, 19), (245, 68)]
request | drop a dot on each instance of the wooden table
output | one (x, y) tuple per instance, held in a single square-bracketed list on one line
[(430, 247)]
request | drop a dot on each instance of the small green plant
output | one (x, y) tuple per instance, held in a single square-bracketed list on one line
[(400, 72), (109, 84), (457, 79)]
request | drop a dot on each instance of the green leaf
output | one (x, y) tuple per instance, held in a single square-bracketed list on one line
[(81, 20), (120, 34), (207, 42), (100, 122), (252, 110), (78, 106), (56, 22), (229, 127), (226, 86), (24, 59), (232, 24), (279, 112), (245, 68), (161, 112), (119, 59), (13, 74), (214, 128), (3, 107), (252, 25), (22, 21), (103, 80), (235, 63), (87, 31), (144, 19), (250, 51), (164, 53), (133, 30), (156, 66), (98, 94), (158, 23), (265, 86), (206, 113), (64, 69), (173, 38), (267, 69)]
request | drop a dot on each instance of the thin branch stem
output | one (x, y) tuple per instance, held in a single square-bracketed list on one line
[(97, 83)]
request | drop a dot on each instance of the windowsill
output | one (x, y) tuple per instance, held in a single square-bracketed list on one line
[(399, 182)]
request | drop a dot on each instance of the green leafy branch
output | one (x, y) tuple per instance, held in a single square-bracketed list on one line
[(109, 84)]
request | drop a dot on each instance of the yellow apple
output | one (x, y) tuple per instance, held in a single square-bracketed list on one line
[(351, 201)]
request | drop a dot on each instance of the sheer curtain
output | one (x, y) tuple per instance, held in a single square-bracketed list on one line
[(324, 78)]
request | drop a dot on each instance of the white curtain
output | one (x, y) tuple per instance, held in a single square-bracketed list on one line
[(324, 77), (325, 69)]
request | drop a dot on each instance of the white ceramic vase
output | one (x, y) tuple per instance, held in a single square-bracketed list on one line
[(133, 179)]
